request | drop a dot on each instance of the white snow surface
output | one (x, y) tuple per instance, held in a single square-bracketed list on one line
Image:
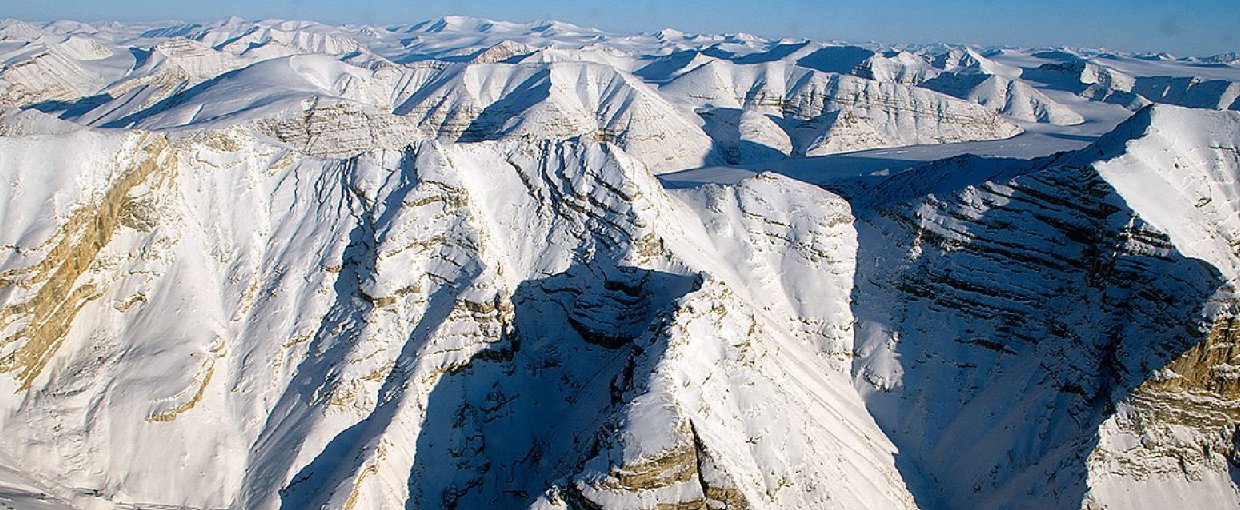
[(469, 263)]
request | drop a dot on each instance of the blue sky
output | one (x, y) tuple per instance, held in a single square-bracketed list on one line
[(1182, 27)]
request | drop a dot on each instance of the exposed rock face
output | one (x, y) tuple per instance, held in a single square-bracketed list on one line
[(1174, 438), (47, 76), (1098, 82), (437, 271), (551, 294), (827, 113), (1055, 320), (342, 130), (1091, 80), (559, 100), (1013, 98), (1190, 91), (899, 67)]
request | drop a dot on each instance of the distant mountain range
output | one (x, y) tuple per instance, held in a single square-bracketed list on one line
[(473, 264)]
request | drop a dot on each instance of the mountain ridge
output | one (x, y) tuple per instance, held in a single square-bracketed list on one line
[(414, 274)]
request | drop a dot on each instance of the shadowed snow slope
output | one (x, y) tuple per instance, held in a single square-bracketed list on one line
[(281, 264), (290, 331), (1032, 300), (828, 113)]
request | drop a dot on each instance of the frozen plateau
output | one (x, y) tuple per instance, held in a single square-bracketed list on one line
[(471, 264)]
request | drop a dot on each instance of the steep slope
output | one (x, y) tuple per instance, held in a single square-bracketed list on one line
[(1089, 80), (1013, 98), (967, 74), (282, 264), (898, 67), (829, 113), (956, 60), (166, 69), (557, 101), (319, 105), (1094, 80), (344, 329), (1190, 91), (1173, 440), (1033, 300), (50, 69), (271, 88)]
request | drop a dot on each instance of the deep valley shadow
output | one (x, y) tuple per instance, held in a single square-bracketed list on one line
[(526, 414), (490, 123), (68, 110), (836, 59), (1024, 337), (771, 54), (723, 125), (661, 68)]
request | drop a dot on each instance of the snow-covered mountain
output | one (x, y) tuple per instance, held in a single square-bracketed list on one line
[(469, 264)]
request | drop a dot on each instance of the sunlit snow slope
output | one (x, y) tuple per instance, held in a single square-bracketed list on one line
[(471, 264)]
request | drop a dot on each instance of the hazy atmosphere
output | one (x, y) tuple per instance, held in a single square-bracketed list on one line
[(1184, 28), (644, 255)]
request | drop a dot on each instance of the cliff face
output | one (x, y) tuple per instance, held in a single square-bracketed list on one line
[(825, 113), (270, 267), (1015, 332), (313, 331), (499, 323)]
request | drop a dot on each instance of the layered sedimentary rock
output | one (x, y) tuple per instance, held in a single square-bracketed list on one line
[(362, 332), (268, 266)]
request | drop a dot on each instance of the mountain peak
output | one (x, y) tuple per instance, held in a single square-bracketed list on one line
[(470, 263)]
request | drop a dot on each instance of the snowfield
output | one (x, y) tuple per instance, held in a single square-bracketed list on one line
[(469, 264)]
